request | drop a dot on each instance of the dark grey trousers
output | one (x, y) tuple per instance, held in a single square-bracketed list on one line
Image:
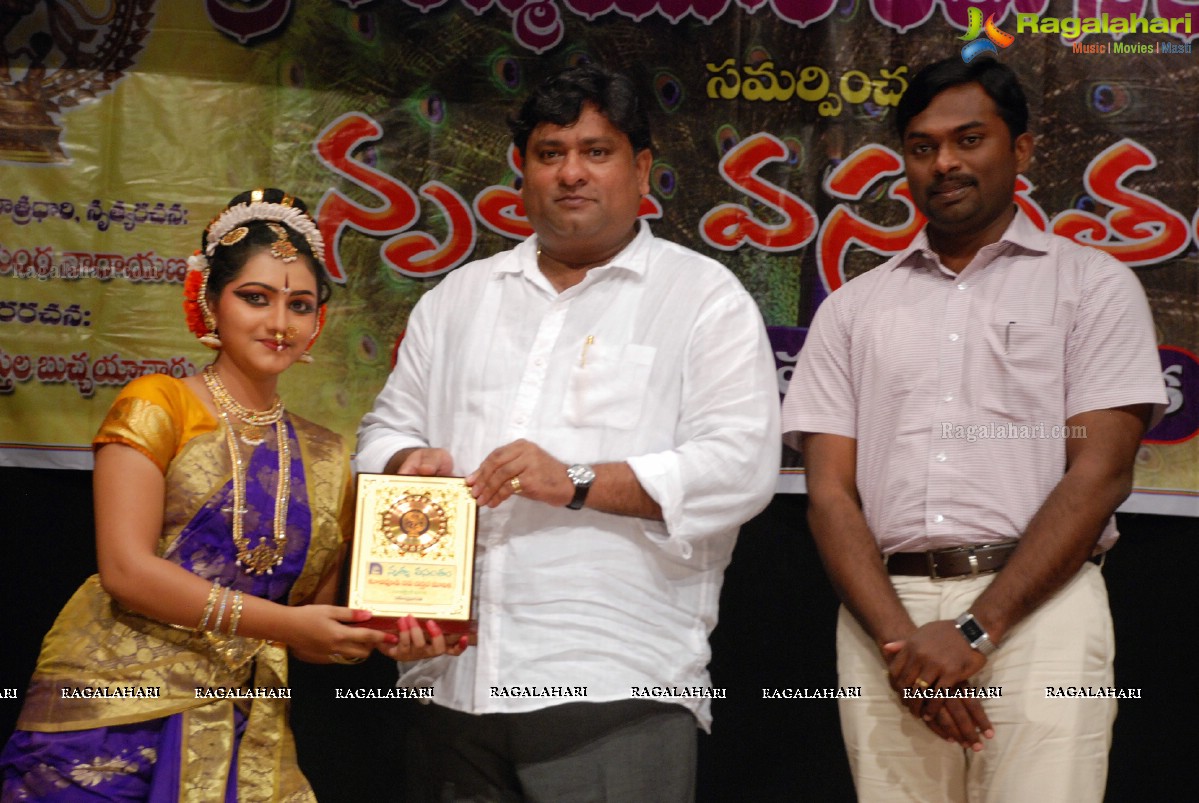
[(629, 750)]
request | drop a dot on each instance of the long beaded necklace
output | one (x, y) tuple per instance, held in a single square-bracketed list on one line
[(266, 555)]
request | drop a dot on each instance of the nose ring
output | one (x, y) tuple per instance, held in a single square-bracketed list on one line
[(286, 336)]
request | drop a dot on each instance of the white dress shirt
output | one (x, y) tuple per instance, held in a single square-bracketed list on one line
[(659, 359), (957, 386)]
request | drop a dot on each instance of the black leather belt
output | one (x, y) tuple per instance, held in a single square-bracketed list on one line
[(965, 561)]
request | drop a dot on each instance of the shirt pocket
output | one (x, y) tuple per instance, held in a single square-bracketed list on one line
[(608, 387), (1023, 373)]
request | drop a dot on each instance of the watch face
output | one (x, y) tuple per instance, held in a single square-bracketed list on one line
[(581, 475), (971, 630)]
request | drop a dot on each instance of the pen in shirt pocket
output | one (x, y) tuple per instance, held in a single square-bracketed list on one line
[(583, 354), (1007, 336)]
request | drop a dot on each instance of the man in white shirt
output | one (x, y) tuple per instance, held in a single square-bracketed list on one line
[(610, 398), (970, 412)]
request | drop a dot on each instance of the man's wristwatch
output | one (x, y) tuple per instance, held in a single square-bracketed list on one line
[(975, 635), (582, 477)]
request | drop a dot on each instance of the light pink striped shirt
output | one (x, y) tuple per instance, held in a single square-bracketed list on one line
[(957, 387)]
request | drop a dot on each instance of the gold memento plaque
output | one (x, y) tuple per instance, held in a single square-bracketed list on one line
[(414, 549)]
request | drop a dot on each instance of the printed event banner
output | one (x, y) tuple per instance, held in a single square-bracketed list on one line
[(125, 125)]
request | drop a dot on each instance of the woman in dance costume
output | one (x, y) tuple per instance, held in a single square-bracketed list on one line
[(221, 521)]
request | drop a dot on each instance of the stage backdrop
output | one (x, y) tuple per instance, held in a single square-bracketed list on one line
[(125, 125)]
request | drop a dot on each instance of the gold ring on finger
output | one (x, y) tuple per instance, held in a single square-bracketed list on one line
[(515, 483), (338, 658), (921, 683)]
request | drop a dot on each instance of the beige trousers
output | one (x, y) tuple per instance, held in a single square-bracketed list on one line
[(1046, 749)]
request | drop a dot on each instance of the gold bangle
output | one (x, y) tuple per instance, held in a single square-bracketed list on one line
[(220, 617), (235, 615), (212, 595)]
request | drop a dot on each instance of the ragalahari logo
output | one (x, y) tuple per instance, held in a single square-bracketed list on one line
[(975, 46)]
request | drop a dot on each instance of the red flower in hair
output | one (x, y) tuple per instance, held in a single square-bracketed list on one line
[(191, 302)]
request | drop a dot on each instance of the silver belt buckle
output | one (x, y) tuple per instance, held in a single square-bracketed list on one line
[(972, 557)]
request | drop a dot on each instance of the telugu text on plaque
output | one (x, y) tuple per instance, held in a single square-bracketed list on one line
[(414, 549)]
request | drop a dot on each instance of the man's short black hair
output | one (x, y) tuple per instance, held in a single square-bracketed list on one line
[(998, 80), (561, 97)]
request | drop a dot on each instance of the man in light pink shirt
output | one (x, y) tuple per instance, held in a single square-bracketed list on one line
[(969, 414)]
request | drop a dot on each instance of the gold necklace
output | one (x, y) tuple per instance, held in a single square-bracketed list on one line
[(267, 554), (254, 420)]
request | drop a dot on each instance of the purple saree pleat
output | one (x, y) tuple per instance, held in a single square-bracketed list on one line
[(115, 763), (137, 762)]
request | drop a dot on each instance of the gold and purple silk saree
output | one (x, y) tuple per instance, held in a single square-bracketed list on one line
[(173, 731)]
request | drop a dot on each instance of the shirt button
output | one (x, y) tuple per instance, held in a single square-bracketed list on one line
[(519, 420), (953, 337), (942, 457), (962, 286), (948, 397), (937, 519), (539, 362)]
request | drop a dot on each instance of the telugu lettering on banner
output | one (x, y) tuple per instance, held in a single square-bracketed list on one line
[(774, 154)]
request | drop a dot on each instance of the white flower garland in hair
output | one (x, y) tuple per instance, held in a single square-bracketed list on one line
[(289, 216)]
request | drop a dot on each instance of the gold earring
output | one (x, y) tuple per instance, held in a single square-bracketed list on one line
[(306, 357), (211, 338)]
